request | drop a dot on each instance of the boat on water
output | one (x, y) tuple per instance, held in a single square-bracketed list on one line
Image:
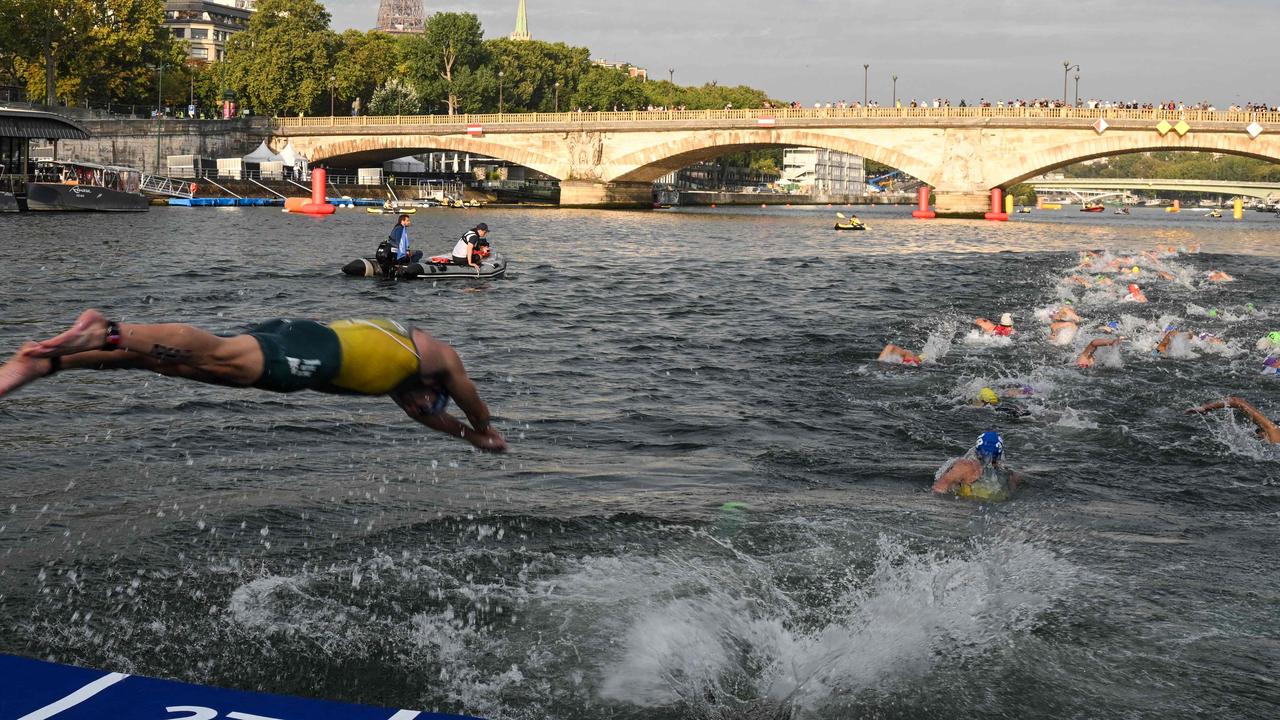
[(1093, 207), (1024, 209), (850, 226), (1121, 211), (65, 185), (439, 267), (1215, 213), (391, 211)]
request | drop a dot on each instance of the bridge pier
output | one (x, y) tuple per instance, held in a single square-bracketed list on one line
[(961, 204), (596, 194)]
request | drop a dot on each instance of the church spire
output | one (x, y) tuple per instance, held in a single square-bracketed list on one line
[(522, 25)]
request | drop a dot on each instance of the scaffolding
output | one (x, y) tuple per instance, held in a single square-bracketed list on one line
[(401, 16)]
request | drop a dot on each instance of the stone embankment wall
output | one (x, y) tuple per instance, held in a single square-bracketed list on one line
[(725, 198), (134, 143)]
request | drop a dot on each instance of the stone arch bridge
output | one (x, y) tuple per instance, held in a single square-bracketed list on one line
[(612, 158)]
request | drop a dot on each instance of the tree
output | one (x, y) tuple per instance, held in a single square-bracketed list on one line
[(442, 59), (281, 64), (364, 62), (395, 97), (532, 69), (605, 88)]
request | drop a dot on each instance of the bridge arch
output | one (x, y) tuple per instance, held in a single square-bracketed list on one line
[(377, 149), (1059, 156), (654, 161)]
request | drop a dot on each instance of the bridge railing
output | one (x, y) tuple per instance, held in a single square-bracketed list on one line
[(775, 114)]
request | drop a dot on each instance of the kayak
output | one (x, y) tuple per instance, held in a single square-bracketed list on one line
[(391, 211), (851, 226), (436, 268)]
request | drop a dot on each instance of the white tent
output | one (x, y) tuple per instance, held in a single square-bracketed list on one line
[(407, 164), (293, 159), (262, 154)]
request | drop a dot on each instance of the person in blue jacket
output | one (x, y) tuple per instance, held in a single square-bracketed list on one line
[(400, 242)]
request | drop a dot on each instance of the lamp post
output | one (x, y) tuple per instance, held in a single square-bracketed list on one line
[(159, 89), (671, 75), (500, 76), (557, 96), (1077, 90), (332, 80), (866, 68), (895, 90), (1066, 70)]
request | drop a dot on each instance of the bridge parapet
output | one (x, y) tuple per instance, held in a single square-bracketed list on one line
[(286, 125)]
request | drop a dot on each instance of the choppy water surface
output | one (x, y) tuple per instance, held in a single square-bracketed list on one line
[(648, 368)]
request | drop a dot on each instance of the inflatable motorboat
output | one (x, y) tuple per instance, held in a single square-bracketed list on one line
[(435, 268)]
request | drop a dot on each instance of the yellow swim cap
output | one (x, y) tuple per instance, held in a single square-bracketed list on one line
[(1136, 270), (988, 396)]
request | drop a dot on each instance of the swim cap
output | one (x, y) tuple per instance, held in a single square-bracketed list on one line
[(1249, 306), (1213, 312), (1272, 361), (1114, 325), (1274, 337), (1136, 270), (989, 445), (1133, 288), (482, 226), (988, 396), (1170, 327), (1006, 320)]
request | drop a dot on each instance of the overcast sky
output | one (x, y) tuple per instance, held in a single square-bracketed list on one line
[(813, 50)]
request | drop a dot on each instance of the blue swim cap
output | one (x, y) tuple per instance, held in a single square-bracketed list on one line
[(441, 401), (989, 445), (1114, 324)]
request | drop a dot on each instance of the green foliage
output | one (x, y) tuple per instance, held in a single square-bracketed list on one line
[(531, 70), (443, 62), (1178, 165), (395, 97), (85, 49), (711, 96), (607, 89), (363, 63), (280, 65)]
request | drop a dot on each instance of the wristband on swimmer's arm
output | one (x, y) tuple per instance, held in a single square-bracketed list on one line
[(113, 336)]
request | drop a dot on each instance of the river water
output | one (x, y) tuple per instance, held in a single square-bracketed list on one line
[(648, 369)]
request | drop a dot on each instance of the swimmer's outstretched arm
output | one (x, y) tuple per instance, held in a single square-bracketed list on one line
[(439, 363), (1270, 431), (1086, 357)]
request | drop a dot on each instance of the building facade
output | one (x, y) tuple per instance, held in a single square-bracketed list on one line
[(205, 25), (824, 172)]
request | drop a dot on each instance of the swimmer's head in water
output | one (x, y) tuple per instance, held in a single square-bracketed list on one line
[(1271, 361), (1113, 326), (1170, 327), (1133, 288), (987, 396), (1135, 270), (1213, 312), (990, 445), (1274, 338)]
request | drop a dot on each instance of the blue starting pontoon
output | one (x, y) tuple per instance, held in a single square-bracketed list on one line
[(36, 690)]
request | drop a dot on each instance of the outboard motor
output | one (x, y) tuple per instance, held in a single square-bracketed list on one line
[(385, 257)]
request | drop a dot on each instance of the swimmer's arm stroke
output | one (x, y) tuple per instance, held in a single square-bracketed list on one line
[(1269, 429)]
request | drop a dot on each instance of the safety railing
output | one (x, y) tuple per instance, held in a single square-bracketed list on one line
[(775, 114)]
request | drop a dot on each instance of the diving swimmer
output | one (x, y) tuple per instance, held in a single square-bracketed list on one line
[(979, 473), (352, 357), (1268, 431)]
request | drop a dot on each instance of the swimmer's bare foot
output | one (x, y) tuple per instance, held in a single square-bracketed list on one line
[(88, 332), (22, 368)]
